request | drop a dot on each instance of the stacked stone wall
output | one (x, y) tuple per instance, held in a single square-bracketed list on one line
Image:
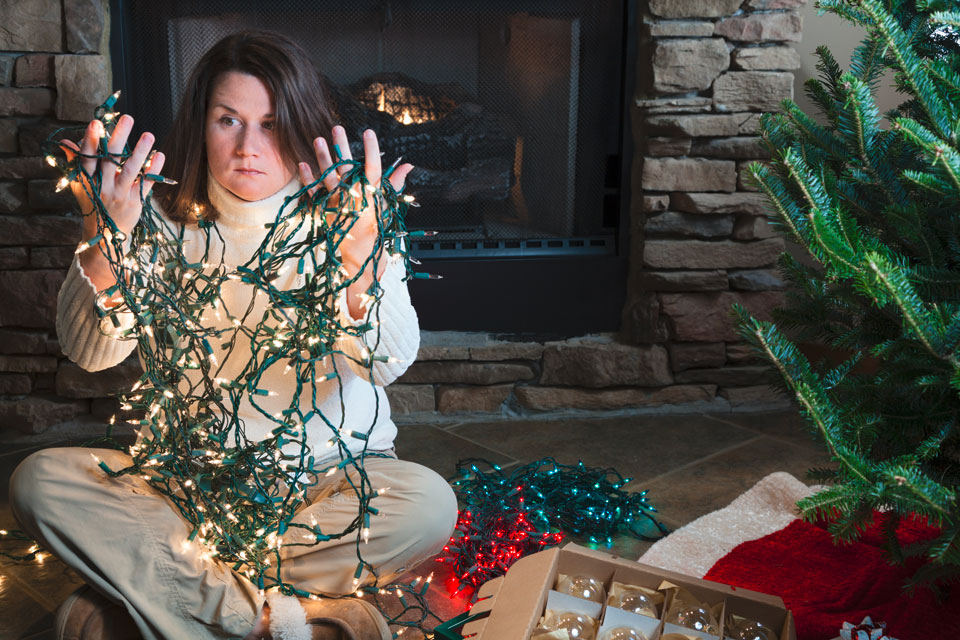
[(54, 70), (701, 240)]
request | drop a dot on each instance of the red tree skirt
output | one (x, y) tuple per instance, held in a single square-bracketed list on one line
[(825, 584)]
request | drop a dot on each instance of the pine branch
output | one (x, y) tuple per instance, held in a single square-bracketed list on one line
[(843, 9), (821, 475), (892, 280), (909, 488), (878, 210), (830, 72), (796, 372), (851, 524), (867, 63), (891, 543), (931, 446), (835, 376), (951, 18), (928, 181), (913, 71), (827, 503), (788, 211), (946, 548), (936, 151), (810, 130), (826, 104)]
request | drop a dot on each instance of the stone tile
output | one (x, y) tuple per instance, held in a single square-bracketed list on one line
[(20, 615), (744, 448), (33, 590), (640, 447), (783, 425), (686, 494), (440, 450), (48, 583), (7, 522), (623, 546)]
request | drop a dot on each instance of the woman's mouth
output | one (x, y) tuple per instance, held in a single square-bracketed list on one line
[(248, 172)]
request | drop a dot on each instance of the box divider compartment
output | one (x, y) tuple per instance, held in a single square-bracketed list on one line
[(762, 608), (517, 601)]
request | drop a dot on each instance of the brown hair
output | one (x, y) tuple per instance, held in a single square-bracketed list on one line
[(301, 108)]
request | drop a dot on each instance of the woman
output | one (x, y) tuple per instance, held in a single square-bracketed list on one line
[(240, 144)]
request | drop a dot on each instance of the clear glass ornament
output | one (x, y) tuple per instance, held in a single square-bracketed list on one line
[(696, 618), (576, 625), (636, 602), (749, 630), (623, 633), (586, 587)]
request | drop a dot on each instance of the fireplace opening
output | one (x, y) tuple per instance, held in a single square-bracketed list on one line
[(463, 152), (514, 114), (398, 96)]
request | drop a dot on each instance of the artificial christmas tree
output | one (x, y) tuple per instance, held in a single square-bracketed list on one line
[(874, 201)]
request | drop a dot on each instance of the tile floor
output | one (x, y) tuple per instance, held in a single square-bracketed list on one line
[(691, 464)]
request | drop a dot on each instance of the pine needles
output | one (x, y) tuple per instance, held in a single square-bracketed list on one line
[(874, 199)]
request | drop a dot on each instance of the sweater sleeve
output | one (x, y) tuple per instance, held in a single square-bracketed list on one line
[(399, 329), (90, 341)]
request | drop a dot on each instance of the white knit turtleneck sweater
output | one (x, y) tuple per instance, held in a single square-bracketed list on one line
[(90, 341)]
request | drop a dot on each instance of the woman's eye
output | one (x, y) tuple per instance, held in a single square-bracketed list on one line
[(269, 125), (227, 120)]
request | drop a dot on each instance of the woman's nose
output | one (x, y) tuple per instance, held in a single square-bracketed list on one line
[(249, 142)]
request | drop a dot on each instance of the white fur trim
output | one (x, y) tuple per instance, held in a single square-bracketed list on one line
[(766, 507), (288, 620)]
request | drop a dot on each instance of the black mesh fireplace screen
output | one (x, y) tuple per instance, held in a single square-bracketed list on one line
[(512, 112), (508, 109)]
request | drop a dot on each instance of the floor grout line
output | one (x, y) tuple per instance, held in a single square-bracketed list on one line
[(488, 448), (40, 599), (705, 458), (813, 446)]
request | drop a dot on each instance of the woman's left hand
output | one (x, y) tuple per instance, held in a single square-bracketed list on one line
[(357, 246)]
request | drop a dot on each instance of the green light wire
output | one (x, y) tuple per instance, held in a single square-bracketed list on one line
[(194, 449)]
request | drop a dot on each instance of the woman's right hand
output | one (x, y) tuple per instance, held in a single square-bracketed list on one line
[(120, 186), (119, 192)]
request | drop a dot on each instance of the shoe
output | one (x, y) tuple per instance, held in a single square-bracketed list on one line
[(87, 615), (346, 619)]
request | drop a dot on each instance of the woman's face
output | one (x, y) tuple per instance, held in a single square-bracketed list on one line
[(241, 143)]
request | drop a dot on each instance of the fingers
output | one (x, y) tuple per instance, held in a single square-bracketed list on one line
[(70, 148), (133, 164), (324, 161), (88, 146), (399, 176), (120, 134), (339, 135), (306, 176), (373, 168), (153, 165), (371, 157), (114, 146)]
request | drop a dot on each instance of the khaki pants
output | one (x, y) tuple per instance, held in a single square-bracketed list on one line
[(127, 540)]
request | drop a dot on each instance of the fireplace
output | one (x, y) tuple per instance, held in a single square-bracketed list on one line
[(514, 114)]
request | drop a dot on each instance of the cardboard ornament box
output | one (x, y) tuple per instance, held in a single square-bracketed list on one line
[(511, 606)]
